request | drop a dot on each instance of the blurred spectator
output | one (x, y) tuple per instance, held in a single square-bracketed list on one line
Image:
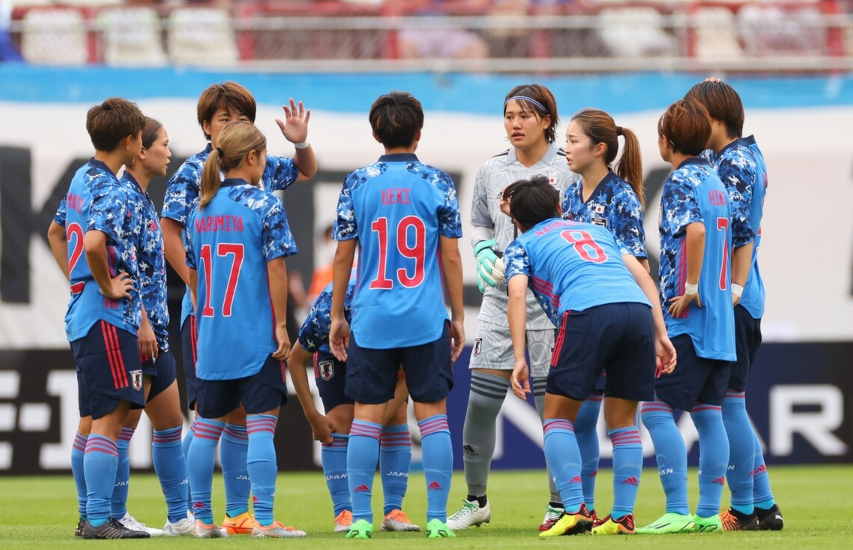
[(324, 254), (440, 42), (8, 51)]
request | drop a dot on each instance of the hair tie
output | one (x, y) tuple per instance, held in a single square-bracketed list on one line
[(619, 131), (529, 100), (221, 154)]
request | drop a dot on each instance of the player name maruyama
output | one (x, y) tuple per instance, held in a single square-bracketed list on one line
[(219, 223)]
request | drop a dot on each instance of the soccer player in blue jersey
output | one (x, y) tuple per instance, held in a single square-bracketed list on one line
[(610, 199), (219, 105), (403, 217), (604, 302), (741, 167), (236, 242), (695, 255), (395, 444), (530, 121), (95, 237)]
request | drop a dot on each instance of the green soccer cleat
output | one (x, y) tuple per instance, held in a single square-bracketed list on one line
[(360, 530), (668, 523), (570, 524), (437, 529), (712, 524)]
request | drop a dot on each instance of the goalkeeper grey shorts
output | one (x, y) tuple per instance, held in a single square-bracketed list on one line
[(493, 349)]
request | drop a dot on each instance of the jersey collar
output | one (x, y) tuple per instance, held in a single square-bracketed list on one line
[(233, 182), (399, 157), (547, 158), (694, 160), (94, 163)]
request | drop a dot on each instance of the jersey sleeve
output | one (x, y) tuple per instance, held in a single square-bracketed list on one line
[(345, 227), (738, 175), (280, 173), (626, 222), (61, 213), (277, 240), (679, 204), (188, 246), (516, 261), (480, 216), (108, 210), (182, 193), (449, 220)]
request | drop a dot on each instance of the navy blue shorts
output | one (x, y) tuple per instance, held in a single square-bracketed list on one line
[(372, 374), (189, 346), (747, 340), (163, 369), (616, 338), (331, 376), (258, 393), (695, 379), (109, 368)]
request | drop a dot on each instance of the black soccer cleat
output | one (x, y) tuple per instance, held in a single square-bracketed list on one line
[(112, 529), (735, 521), (770, 519), (78, 531)]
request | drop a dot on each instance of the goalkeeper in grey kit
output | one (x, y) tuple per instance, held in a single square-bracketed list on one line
[(530, 121)]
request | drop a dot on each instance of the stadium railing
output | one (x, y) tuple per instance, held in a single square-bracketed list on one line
[(604, 36)]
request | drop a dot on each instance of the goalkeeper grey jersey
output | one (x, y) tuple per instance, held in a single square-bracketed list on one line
[(492, 178)]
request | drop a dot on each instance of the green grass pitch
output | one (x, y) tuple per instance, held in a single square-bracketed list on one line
[(817, 502)]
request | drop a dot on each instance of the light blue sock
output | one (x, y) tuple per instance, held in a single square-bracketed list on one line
[(99, 464), (362, 455), (762, 495), (670, 453), (713, 457), (232, 456), (395, 458), (334, 459), (78, 450), (741, 451), (262, 465), (627, 467), (171, 467), (564, 459), (587, 436), (118, 501), (188, 439), (437, 456), (202, 456)]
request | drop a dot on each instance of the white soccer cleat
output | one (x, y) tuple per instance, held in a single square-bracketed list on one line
[(180, 528), (470, 514), (131, 523)]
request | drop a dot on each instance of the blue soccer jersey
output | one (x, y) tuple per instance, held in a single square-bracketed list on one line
[(97, 201), (183, 190), (229, 243), (614, 205), (572, 266), (694, 194), (314, 333), (397, 208), (152, 264), (741, 167)]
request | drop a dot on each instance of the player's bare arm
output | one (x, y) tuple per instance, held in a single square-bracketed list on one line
[(695, 235), (451, 267), (664, 350), (741, 264), (95, 245), (192, 283), (174, 248), (277, 275), (59, 246), (517, 317), (147, 340), (320, 426), (294, 128), (341, 267)]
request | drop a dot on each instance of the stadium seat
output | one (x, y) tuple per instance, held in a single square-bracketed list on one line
[(131, 37), (201, 36), (771, 30), (635, 32), (715, 34), (54, 36)]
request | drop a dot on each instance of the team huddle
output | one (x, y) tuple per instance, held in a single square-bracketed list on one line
[(570, 314)]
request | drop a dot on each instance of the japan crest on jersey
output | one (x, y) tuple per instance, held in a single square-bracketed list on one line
[(327, 370), (599, 209), (136, 379)]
